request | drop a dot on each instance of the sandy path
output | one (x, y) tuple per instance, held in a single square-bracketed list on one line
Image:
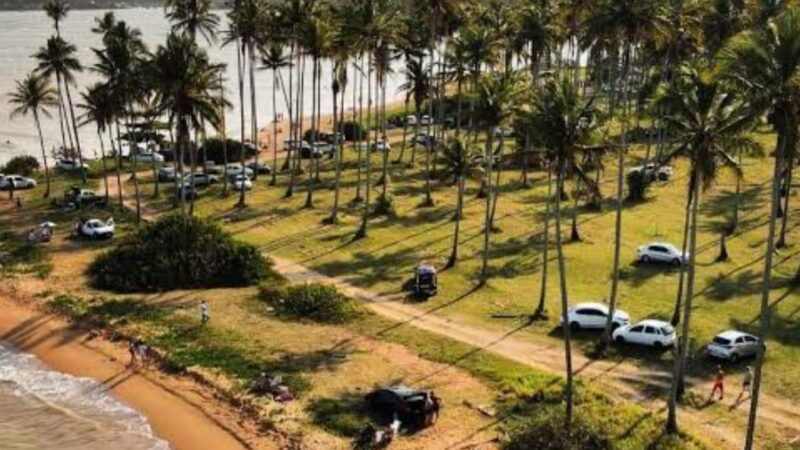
[(179, 410), (626, 380)]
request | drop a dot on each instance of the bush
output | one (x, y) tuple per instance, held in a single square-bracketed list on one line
[(214, 151), (637, 186), (179, 252), (22, 165), (547, 432), (313, 301), (352, 130)]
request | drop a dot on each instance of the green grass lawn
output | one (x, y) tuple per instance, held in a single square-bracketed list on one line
[(727, 294)]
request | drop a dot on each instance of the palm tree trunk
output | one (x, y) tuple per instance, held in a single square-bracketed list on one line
[(360, 138), (253, 108), (337, 147), (546, 235), (314, 128), (497, 181), (274, 175), (676, 313), (459, 213), (405, 132), (44, 155), (562, 275), (416, 133), (789, 166), (75, 129), (764, 316), (737, 198), (242, 61), (676, 389), (61, 112), (102, 155), (117, 163), (362, 230), (487, 225), (192, 170)]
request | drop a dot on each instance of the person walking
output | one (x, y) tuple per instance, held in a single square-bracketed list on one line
[(205, 314), (719, 383), (132, 350), (747, 383)]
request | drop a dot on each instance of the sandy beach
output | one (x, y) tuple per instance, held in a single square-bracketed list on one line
[(180, 411)]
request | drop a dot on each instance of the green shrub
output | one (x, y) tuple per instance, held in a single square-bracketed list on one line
[(548, 432), (313, 301), (179, 252), (22, 165), (352, 131), (214, 150)]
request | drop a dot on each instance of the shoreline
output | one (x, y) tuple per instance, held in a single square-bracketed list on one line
[(179, 410)]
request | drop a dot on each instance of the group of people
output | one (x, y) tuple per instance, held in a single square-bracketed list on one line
[(719, 384)]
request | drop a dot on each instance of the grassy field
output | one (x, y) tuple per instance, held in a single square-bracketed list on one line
[(727, 293)]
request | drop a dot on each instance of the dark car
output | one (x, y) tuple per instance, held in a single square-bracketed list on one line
[(83, 198), (259, 168), (415, 409)]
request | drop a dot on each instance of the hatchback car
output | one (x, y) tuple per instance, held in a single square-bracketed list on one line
[(733, 345), (594, 316), (17, 182), (242, 182), (650, 333), (661, 252)]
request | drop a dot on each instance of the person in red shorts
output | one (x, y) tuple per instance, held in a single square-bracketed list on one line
[(719, 383)]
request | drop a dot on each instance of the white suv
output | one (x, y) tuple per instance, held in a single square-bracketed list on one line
[(661, 252), (732, 345), (594, 316)]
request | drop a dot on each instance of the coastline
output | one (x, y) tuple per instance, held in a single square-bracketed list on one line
[(179, 410)]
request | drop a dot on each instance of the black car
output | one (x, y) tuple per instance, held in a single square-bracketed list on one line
[(259, 168)]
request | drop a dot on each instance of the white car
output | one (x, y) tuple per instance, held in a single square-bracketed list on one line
[(242, 182), (425, 120), (661, 252), (69, 165), (411, 120), (594, 316), (149, 157), (503, 132), (651, 170), (733, 345), (17, 182), (97, 229), (650, 333), (234, 170), (167, 174), (381, 146)]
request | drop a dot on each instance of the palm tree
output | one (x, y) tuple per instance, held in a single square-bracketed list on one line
[(274, 59), (193, 17), (417, 88), (99, 107), (461, 161), (58, 58), (707, 119), (57, 11), (766, 62), (33, 95)]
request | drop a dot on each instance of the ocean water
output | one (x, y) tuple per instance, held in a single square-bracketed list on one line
[(44, 409), (23, 32)]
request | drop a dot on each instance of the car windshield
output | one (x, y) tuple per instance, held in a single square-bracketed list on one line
[(667, 330), (721, 341)]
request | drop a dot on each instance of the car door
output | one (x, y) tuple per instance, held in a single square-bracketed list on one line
[(650, 335), (751, 345), (635, 334), (658, 252), (595, 318)]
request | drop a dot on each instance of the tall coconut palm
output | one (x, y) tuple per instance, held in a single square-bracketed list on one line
[(274, 59), (707, 120), (33, 95), (58, 58), (766, 62), (99, 108), (57, 11), (417, 89), (193, 17), (462, 160)]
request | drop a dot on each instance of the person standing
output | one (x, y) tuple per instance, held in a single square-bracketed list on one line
[(719, 383), (747, 383), (205, 314)]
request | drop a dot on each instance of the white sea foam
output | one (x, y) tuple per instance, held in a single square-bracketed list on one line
[(74, 412)]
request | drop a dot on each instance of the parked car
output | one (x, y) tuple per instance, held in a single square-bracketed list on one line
[(503, 132), (17, 182), (234, 170), (70, 165), (650, 333), (425, 120), (424, 140), (411, 120), (594, 316), (167, 174), (83, 197), (653, 171), (380, 146), (296, 145), (260, 168), (97, 229), (242, 182), (733, 345), (661, 252), (149, 157), (201, 179)]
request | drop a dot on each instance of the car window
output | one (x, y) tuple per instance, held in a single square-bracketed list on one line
[(666, 330), (637, 329), (750, 339), (658, 248), (721, 341), (740, 340), (650, 330)]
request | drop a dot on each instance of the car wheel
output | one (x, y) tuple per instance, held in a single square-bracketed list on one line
[(646, 259), (658, 345), (734, 358), (676, 262), (574, 327), (619, 340)]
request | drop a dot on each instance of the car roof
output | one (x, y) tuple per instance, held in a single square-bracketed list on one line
[(732, 334), (663, 244), (653, 323), (591, 305)]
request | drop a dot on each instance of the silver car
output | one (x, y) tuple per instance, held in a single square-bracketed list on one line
[(661, 252), (733, 345)]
